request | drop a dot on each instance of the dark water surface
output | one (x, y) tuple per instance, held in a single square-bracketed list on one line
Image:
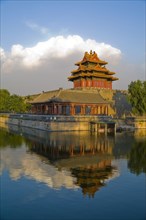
[(72, 175)]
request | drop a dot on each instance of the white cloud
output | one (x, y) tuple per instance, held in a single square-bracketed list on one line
[(47, 64), (2, 54), (36, 27), (60, 47)]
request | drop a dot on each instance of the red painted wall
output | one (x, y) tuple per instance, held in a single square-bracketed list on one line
[(93, 83)]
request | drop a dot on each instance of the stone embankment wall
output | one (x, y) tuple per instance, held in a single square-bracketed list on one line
[(49, 123), (68, 123), (137, 122), (59, 123)]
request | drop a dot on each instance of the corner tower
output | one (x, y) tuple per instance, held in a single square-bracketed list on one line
[(92, 73)]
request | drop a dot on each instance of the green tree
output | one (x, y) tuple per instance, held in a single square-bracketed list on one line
[(16, 104), (137, 96), (12, 103), (4, 100)]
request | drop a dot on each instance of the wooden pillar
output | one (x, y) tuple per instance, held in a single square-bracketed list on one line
[(81, 150), (115, 129), (97, 110), (104, 110), (41, 109), (92, 110), (59, 109), (54, 109), (46, 108), (105, 129), (83, 83), (71, 150), (100, 109), (38, 108), (83, 110), (72, 109), (107, 110), (49, 109), (98, 127)]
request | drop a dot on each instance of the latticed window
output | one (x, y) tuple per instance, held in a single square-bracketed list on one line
[(77, 109), (88, 110), (67, 110)]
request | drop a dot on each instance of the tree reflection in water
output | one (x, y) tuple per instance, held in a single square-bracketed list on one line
[(10, 139), (137, 158)]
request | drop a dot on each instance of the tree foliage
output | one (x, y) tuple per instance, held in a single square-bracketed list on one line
[(4, 99), (137, 96), (12, 103), (122, 105)]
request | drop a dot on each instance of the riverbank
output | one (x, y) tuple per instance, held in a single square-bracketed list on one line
[(99, 124)]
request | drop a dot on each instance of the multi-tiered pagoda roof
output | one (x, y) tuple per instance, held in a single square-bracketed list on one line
[(91, 72)]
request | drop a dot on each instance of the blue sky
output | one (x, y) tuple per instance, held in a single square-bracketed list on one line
[(118, 25)]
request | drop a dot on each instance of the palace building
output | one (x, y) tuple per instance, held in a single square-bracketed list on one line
[(84, 98)]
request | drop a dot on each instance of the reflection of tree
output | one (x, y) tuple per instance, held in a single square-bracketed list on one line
[(91, 178), (123, 144), (10, 139), (137, 158)]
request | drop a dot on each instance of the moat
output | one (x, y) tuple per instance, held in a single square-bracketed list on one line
[(72, 175)]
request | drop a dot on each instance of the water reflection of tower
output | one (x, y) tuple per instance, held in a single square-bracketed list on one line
[(92, 177), (87, 157), (90, 165)]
